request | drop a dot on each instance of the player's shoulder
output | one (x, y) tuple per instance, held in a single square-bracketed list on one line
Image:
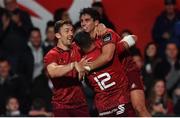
[(54, 51), (111, 31), (109, 35)]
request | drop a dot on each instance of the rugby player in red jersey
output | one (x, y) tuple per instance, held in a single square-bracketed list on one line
[(89, 21), (109, 83), (68, 98)]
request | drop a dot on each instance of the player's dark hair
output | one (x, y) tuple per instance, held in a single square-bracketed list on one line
[(83, 40), (59, 13), (92, 12), (60, 23)]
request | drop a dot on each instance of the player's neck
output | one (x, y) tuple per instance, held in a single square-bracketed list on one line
[(93, 34), (63, 47)]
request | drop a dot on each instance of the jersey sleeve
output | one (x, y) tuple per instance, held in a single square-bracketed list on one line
[(109, 38), (76, 53), (50, 58), (120, 48)]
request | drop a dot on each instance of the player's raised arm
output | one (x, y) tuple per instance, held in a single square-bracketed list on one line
[(126, 43), (109, 48)]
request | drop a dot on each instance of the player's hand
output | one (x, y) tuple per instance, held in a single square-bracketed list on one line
[(134, 37), (81, 75), (100, 30), (85, 61), (80, 65), (81, 70)]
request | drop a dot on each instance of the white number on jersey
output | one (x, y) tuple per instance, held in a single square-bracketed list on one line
[(102, 83)]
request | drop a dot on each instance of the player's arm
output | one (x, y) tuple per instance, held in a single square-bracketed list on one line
[(109, 49), (106, 56), (126, 43), (54, 70), (138, 102)]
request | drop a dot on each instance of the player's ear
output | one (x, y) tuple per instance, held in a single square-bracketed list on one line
[(96, 22), (58, 36)]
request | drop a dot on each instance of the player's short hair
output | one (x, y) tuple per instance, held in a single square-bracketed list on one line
[(60, 23), (59, 13), (83, 40), (92, 12)]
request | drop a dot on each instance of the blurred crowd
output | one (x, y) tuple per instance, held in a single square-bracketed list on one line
[(25, 89)]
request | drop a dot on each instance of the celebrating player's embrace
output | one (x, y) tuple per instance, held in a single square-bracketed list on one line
[(94, 54)]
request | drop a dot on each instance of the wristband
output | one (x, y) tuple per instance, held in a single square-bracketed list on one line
[(129, 40)]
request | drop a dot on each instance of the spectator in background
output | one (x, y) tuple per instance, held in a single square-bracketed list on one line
[(1, 24), (38, 109), (150, 61), (50, 40), (104, 19), (10, 84), (11, 6), (169, 69), (32, 60), (61, 14), (12, 40), (159, 104), (42, 88), (177, 107), (12, 108), (17, 19), (138, 60), (163, 27), (176, 37), (35, 45)]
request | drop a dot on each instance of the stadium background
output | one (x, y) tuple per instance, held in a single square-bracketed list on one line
[(136, 15)]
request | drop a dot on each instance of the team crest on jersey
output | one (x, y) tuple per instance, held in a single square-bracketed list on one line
[(107, 37)]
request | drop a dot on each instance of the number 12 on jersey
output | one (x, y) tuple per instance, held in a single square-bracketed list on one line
[(102, 82)]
